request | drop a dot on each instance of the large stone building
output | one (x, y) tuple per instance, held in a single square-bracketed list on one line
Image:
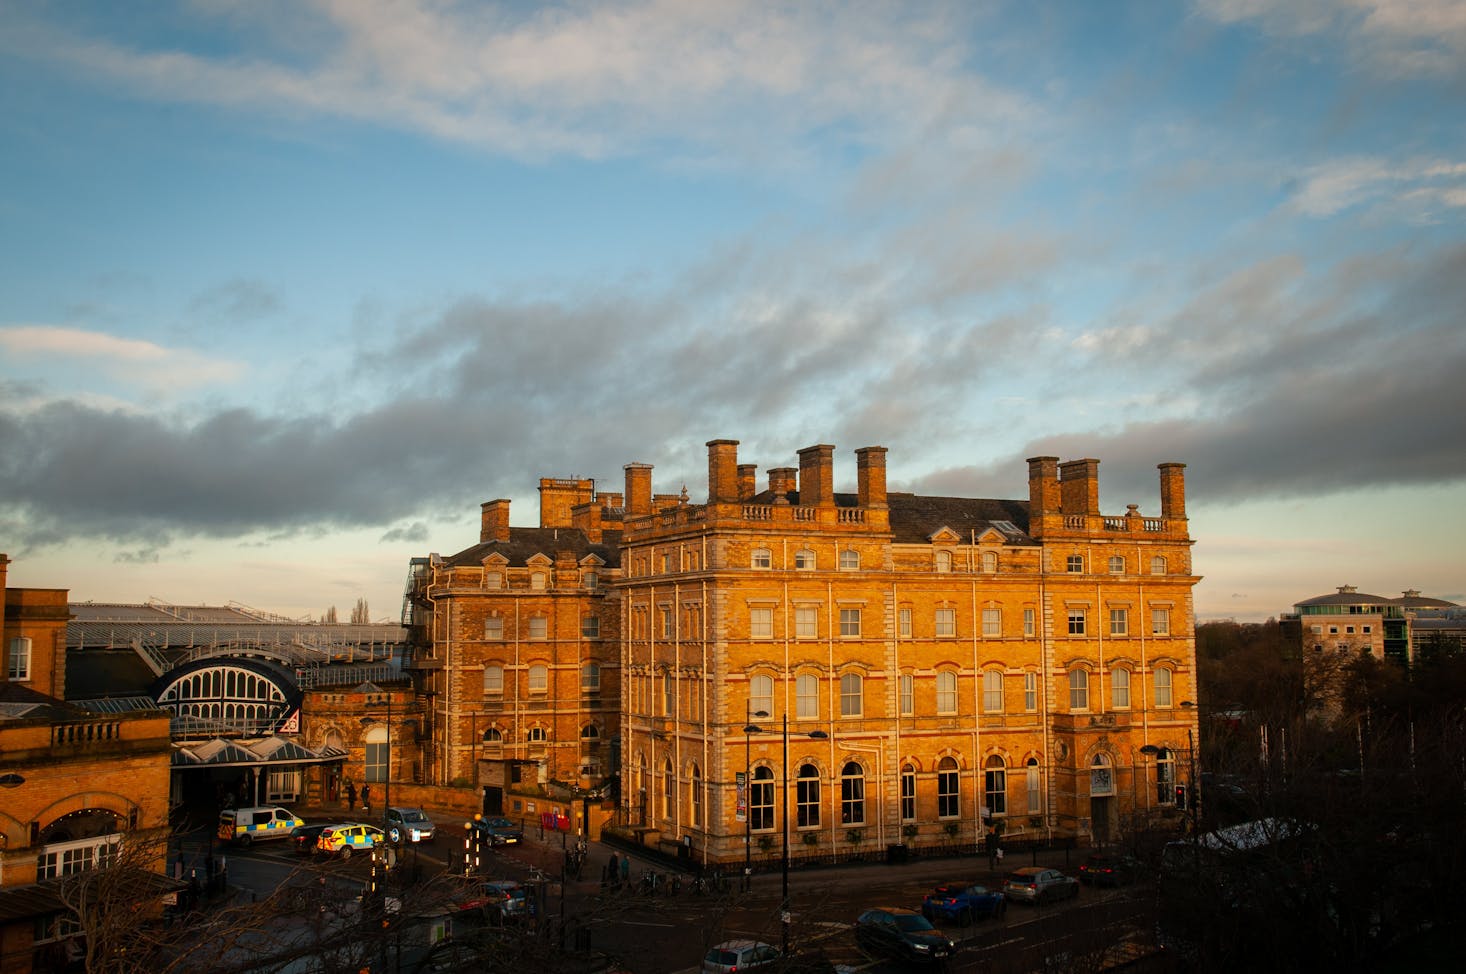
[(932, 667)]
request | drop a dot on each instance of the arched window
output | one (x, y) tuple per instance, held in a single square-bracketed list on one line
[(849, 560), (694, 796), (669, 789), (376, 754), (807, 792), (536, 735), (992, 691), (807, 696), (590, 734), (852, 696), (1078, 689), (949, 789), (852, 794), (804, 560), (590, 678), (1163, 687), (1165, 776), (946, 692), (494, 736), (1120, 689), (990, 561), (1101, 777), (908, 793), (761, 696), (539, 678), (1117, 565), (493, 681), (907, 684), (1035, 787), (762, 558), (944, 561), (995, 784), (1158, 565), (761, 800)]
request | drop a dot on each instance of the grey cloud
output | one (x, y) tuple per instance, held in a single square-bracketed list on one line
[(415, 532), (237, 300)]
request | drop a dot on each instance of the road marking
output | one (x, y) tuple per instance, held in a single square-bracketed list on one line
[(638, 923)]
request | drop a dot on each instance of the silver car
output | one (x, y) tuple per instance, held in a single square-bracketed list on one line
[(1035, 884), (739, 955)]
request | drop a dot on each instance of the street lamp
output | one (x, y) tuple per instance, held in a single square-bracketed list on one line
[(784, 916), (387, 775)]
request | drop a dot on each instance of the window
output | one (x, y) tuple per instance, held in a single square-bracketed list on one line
[(1119, 622), (669, 622), (761, 623), (1028, 622), (1117, 565), (669, 563), (1074, 563), (903, 621), (1078, 690), (1160, 622), (669, 694), (694, 796), (992, 623), (1101, 777), (1034, 786), (908, 694), (807, 696), (761, 695), (1347, 629), (807, 796), (908, 793), (804, 560), (1163, 687), (493, 681), (992, 692), (946, 692), (539, 678), (850, 622), (493, 735), (376, 755), (762, 558), (1158, 565), (849, 560), (806, 622), (949, 789), (669, 789), (1030, 691), (852, 702), (852, 794), (590, 627), (1368, 630), (1120, 689), (494, 627), (995, 785), (946, 623), (493, 579), (761, 800), (590, 735), (591, 580), (537, 580), (1076, 622), (1165, 776), (590, 678), (538, 627), (990, 561), (944, 561)]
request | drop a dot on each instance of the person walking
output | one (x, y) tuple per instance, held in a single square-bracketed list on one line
[(625, 870), (613, 871), (366, 798), (350, 795)]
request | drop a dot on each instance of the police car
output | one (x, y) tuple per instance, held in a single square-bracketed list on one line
[(343, 840), (245, 825)]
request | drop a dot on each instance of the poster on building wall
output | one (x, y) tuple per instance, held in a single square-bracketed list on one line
[(742, 780)]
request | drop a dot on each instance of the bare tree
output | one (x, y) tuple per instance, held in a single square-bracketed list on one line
[(360, 614)]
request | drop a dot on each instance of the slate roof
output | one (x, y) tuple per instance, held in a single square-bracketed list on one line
[(21, 701), (524, 543), (914, 518)]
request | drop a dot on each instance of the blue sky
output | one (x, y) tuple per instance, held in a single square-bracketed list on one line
[(288, 288)]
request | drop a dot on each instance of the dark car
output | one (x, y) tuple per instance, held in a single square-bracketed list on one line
[(1035, 884), (902, 933), (499, 831), (303, 838), (500, 900), (963, 903), (1103, 869)]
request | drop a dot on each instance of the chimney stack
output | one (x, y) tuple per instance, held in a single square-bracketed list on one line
[(782, 482), (1043, 485), (870, 471), (638, 489), (1173, 489), (494, 521), (817, 476), (747, 480), (722, 471), (1079, 486)]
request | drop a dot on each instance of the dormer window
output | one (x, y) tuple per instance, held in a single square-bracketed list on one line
[(944, 561)]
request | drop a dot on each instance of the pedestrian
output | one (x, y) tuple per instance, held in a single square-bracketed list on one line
[(366, 798), (625, 870), (992, 845), (613, 871), (350, 795)]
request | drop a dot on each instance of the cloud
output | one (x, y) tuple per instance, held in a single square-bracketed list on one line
[(1340, 184), (237, 300), (414, 533), (127, 361)]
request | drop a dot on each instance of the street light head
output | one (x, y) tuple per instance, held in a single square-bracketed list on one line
[(753, 729), (759, 713), (1149, 749), (819, 735), (366, 721)]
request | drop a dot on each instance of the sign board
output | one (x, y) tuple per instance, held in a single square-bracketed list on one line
[(741, 779)]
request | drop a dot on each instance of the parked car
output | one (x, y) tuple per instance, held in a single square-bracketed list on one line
[(1035, 884), (903, 934), (731, 956), (1103, 869), (409, 822), (305, 837), (499, 831), (502, 900), (963, 903), (343, 840)]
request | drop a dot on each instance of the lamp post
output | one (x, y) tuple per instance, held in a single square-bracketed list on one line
[(784, 916), (387, 775), (749, 729)]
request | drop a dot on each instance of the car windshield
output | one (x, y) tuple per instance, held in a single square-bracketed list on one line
[(912, 921), (725, 958), (414, 815), (1021, 879)]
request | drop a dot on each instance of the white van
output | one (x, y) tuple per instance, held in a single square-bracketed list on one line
[(246, 825)]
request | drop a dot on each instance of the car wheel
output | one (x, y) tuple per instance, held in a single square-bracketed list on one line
[(1001, 909), (346, 852), (964, 918), (244, 841)]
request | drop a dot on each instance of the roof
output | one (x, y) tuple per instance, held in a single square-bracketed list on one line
[(525, 543), (219, 753), (1346, 595), (18, 701)]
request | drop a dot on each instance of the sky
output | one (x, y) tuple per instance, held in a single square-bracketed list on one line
[(289, 287)]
